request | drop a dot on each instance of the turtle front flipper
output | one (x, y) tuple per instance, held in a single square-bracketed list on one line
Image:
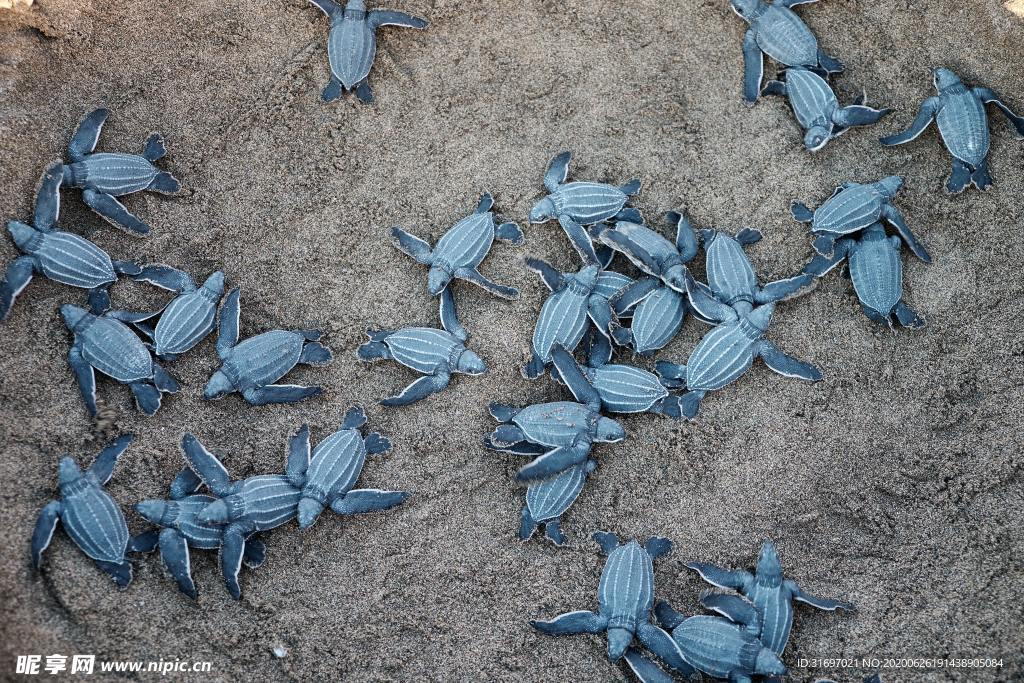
[(554, 462), (48, 197), (280, 393), (557, 171), (753, 66), (46, 524), (579, 238), (820, 265), (85, 137), (449, 315), (86, 376), (706, 305), (786, 365), (412, 246), (298, 457), (637, 254), (723, 578), (165, 277), (929, 108), (474, 276), (206, 465), (574, 378), (820, 603), (231, 552), (892, 215), (645, 670), (19, 274), (733, 608), (571, 623), (857, 115), (661, 644), (360, 501), (990, 97), (783, 289), (551, 277), (227, 335), (383, 17), (420, 389), (175, 555), (121, 572), (103, 466), (114, 212)]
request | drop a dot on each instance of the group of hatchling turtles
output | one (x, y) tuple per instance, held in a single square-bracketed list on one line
[(594, 309)]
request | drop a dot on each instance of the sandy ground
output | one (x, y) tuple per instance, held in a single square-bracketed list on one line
[(895, 483)]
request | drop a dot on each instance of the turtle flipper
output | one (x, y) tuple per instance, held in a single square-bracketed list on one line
[(557, 171), (644, 669), (165, 183), (355, 417), (48, 197), (907, 316), (774, 88), (231, 552), (255, 553), (656, 547), (895, 218), (165, 277), (99, 299), (553, 462), (510, 232), (582, 621), (46, 524), (19, 274), (502, 412), (146, 542), (330, 8), (174, 553), (450, 315), (87, 134), (753, 67), (705, 305), (924, 117), (668, 617), (103, 465), (206, 465), (551, 277), (830, 64), (820, 265), (373, 350), (990, 97), (527, 525), (121, 572), (383, 17), (783, 289), (723, 578), (959, 178), (419, 390), (858, 115), (606, 540), (280, 393), (375, 444), (298, 457), (579, 238), (315, 354), (473, 275), (661, 643), (364, 93), (574, 378), (801, 213), (629, 214), (533, 368), (733, 608), (620, 242), (227, 335), (155, 148), (826, 604), (147, 397), (786, 365), (114, 212), (359, 501), (185, 483), (672, 375), (980, 176), (86, 377), (333, 90), (164, 381), (633, 294), (689, 403), (412, 246)]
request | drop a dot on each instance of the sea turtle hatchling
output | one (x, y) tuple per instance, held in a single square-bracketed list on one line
[(770, 592), (352, 44), (726, 648), (327, 474), (853, 207), (437, 354), (625, 596), (775, 30), (188, 318), (90, 516), (960, 114), (182, 529), (875, 265), (817, 108), (251, 367), (577, 205), (460, 251), (61, 256), (652, 253), (102, 176), (104, 343)]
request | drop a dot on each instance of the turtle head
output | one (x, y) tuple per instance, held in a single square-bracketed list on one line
[(542, 211), (587, 276), (21, 234), (73, 315), (67, 471), (816, 137), (769, 664), (890, 185), (309, 512), (609, 430), (159, 512), (358, 5), (218, 386), (944, 78), (218, 512), (619, 638), (768, 561), (437, 279), (747, 9), (761, 316), (675, 277), (471, 364), (215, 284)]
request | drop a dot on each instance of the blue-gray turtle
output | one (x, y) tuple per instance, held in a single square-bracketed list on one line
[(60, 256), (652, 253), (352, 44), (102, 176), (252, 366), (104, 343), (625, 596), (188, 318), (771, 593), (245, 507), (327, 474), (576, 298), (853, 207), (460, 251), (727, 648), (963, 125), (182, 529), (775, 30), (657, 313), (817, 108), (91, 517), (435, 353), (577, 205), (622, 388), (875, 265)]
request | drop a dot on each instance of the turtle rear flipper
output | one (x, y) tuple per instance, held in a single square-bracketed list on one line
[(354, 418), (374, 350), (146, 542), (333, 90), (114, 212), (155, 148), (164, 381), (147, 397), (255, 553), (364, 93), (165, 183), (376, 444), (360, 501), (511, 233), (631, 188), (534, 368), (980, 176), (630, 214), (120, 572), (553, 531), (315, 354), (527, 525), (689, 403), (801, 213), (830, 64), (502, 412), (907, 317)]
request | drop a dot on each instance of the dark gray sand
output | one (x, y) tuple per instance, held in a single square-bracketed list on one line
[(895, 483)]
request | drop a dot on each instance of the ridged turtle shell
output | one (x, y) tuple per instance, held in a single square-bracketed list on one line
[(269, 500), (351, 47), (336, 464), (424, 348), (784, 37), (811, 97), (467, 242), (876, 269), (963, 125), (263, 359), (548, 499), (776, 611), (72, 260), (563, 320), (188, 318), (626, 389), (555, 424), (730, 275), (657, 319), (723, 355), (113, 349), (205, 536), (93, 520), (852, 209), (716, 646), (588, 203), (114, 174), (626, 591)]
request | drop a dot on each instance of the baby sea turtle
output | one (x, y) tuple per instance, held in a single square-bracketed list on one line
[(245, 507), (567, 429), (563, 319), (102, 176), (622, 388), (188, 318), (579, 204), (853, 207), (437, 354), (726, 648), (106, 344), (775, 30), (251, 367), (352, 44), (625, 596), (963, 125), (60, 256), (460, 251), (328, 474), (91, 517), (652, 253), (817, 108), (771, 593), (182, 529), (875, 266), (657, 314)]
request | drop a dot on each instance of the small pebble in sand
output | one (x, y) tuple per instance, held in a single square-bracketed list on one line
[(280, 651)]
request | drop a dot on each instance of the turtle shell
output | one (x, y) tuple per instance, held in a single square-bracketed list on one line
[(609, 283), (114, 174), (73, 260), (626, 591), (269, 501), (730, 275), (876, 269), (336, 463), (963, 125), (94, 521), (849, 210), (351, 47), (776, 610), (657, 319), (555, 424), (467, 242), (716, 646), (655, 244), (548, 499), (263, 359), (184, 323), (784, 37), (424, 348), (626, 389), (588, 203), (811, 97), (112, 348), (723, 355), (563, 320), (205, 536)]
